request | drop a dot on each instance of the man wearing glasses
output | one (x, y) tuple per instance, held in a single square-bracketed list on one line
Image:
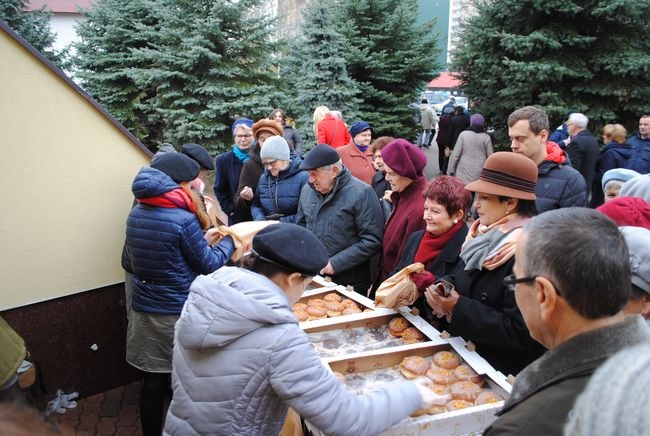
[(228, 168), (571, 281)]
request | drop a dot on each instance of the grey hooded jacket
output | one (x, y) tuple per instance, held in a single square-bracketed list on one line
[(240, 360)]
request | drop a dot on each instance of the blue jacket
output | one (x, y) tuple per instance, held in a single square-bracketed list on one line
[(558, 184), (640, 157), (165, 248), (280, 195), (614, 155), (226, 180)]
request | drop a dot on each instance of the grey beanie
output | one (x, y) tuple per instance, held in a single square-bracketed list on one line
[(275, 147), (615, 401), (638, 186), (638, 244)]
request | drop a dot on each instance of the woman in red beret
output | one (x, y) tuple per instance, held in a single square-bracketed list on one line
[(404, 163)]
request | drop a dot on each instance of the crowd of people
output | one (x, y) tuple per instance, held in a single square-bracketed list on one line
[(546, 288)]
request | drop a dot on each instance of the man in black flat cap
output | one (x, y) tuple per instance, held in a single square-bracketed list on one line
[(344, 213)]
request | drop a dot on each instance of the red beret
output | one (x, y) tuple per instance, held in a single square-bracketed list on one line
[(404, 158), (627, 211)]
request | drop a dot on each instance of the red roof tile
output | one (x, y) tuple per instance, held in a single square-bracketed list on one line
[(444, 81)]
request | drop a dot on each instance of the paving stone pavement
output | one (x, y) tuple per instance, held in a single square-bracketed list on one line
[(113, 412)]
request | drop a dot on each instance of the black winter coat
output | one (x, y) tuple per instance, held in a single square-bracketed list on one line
[(487, 314)]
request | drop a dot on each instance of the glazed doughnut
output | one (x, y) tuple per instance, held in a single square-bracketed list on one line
[(487, 397), (446, 359), (301, 315), (299, 306), (350, 310), (349, 303), (465, 390), (334, 309), (413, 366), (441, 376), (333, 297), (316, 302), (396, 326), (466, 373), (457, 405), (412, 335), (317, 313), (440, 389)]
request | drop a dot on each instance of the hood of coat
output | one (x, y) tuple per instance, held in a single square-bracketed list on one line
[(228, 304), (150, 182), (556, 154)]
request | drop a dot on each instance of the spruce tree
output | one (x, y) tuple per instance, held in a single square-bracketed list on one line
[(588, 56), (180, 70), (34, 26), (315, 69), (390, 58)]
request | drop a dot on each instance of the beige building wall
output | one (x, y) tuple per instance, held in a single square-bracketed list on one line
[(66, 171)]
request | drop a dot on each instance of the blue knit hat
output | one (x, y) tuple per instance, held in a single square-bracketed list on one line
[(358, 127), (622, 174), (245, 121), (275, 147)]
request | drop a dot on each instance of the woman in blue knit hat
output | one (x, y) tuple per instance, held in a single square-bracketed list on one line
[(278, 191)]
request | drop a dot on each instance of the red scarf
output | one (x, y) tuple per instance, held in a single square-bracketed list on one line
[(174, 198), (431, 246)]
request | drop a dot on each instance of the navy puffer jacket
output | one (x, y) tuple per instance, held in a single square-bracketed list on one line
[(165, 248), (280, 195)]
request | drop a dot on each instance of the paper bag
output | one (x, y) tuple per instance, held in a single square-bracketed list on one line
[(242, 234), (398, 290)]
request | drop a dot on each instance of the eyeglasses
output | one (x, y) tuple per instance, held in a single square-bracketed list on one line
[(270, 163), (243, 136), (511, 282)]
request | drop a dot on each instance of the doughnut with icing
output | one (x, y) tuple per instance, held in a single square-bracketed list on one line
[(412, 335), (466, 373), (334, 309), (441, 376), (316, 302), (333, 297), (413, 366), (487, 397), (396, 326), (301, 315), (465, 390), (446, 359), (317, 313), (458, 404), (299, 306), (349, 303), (350, 310)]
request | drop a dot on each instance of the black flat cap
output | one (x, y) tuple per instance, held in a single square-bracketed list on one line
[(291, 247), (320, 156), (199, 154), (177, 166)]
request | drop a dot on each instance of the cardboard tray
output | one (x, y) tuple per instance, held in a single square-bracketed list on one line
[(466, 421)]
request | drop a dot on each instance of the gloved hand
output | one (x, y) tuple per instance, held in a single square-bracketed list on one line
[(423, 280), (429, 398)]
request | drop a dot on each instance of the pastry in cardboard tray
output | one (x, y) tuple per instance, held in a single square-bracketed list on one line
[(413, 366), (299, 306), (412, 335), (317, 313), (316, 302), (350, 310), (458, 405), (396, 326), (334, 309), (301, 315), (487, 397), (349, 303), (441, 376), (465, 390), (446, 359), (333, 297), (466, 373)]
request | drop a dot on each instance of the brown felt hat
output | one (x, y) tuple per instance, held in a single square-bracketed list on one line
[(266, 125), (507, 174)]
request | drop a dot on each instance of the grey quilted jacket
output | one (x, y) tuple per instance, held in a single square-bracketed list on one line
[(240, 360)]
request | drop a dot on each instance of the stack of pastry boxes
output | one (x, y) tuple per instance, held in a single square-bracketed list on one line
[(329, 334)]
